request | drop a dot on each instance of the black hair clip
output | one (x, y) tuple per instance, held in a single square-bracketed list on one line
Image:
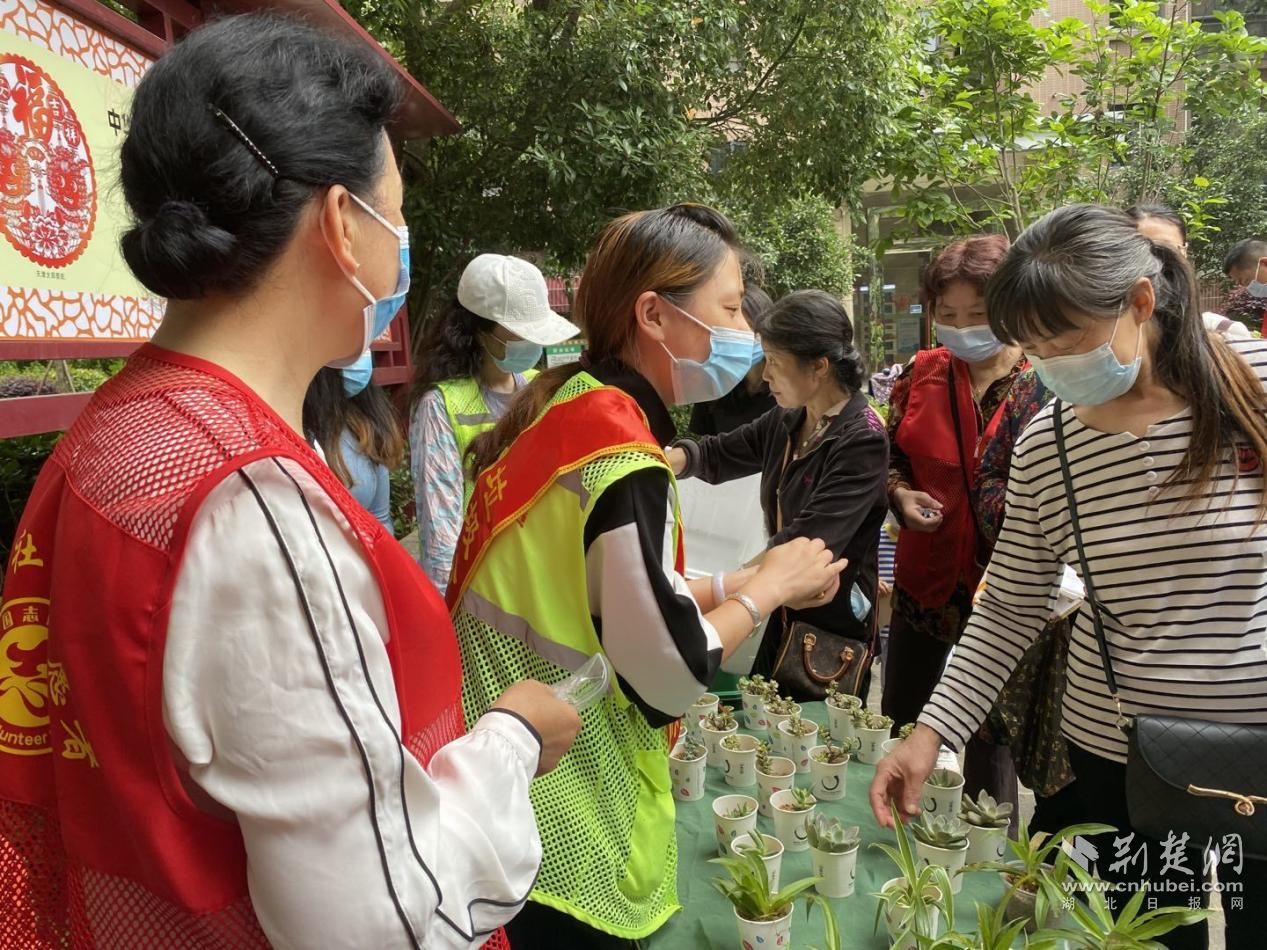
[(245, 139)]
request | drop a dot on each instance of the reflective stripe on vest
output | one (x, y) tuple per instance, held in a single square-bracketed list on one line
[(468, 416), (606, 813)]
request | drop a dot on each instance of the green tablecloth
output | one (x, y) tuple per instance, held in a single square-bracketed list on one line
[(707, 921)]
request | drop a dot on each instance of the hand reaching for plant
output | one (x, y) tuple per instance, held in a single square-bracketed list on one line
[(900, 775), (556, 722)]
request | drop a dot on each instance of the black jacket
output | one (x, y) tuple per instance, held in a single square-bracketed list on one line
[(835, 492)]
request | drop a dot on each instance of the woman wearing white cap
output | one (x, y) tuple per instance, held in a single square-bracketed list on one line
[(478, 354)]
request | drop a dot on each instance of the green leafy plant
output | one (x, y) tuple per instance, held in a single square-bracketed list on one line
[(802, 800), (869, 719), (831, 754), (919, 889), (748, 888), (1039, 866), (721, 721), (690, 749), (781, 706), (755, 685), (753, 843), (944, 778), (941, 831), (796, 726), (985, 812), (733, 743), (830, 836), (842, 700), (742, 810), (905, 731), (763, 757), (1129, 930), (994, 932)]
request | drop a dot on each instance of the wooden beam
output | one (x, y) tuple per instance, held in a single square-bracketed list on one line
[(30, 415)]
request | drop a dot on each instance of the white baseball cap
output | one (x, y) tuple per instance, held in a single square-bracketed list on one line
[(512, 293)]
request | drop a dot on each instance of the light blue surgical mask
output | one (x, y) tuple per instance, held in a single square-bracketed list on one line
[(378, 313), (1257, 288), (1091, 378), (859, 603), (520, 356), (731, 354), (357, 376), (970, 344)]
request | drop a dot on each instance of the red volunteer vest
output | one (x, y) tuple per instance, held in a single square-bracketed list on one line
[(100, 843), (929, 566)]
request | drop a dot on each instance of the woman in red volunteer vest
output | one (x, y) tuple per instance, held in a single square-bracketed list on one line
[(944, 410), (229, 701)]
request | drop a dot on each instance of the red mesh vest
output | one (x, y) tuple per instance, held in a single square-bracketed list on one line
[(100, 844), (928, 566)]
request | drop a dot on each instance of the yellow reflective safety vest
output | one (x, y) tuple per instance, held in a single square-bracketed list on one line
[(521, 609), (469, 416)]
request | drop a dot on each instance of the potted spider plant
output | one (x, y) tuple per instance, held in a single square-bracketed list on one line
[(686, 769), (793, 809), (764, 916), (739, 760), (1097, 928), (833, 854), (715, 727), (767, 847), (774, 774), (994, 932), (798, 736), (1035, 872), (752, 693), (733, 817), (706, 705), (840, 707), (911, 903), (943, 793), (872, 728), (987, 822), (943, 841), (828, 765)]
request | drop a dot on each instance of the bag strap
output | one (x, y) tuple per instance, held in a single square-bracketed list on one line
[(1088, 582)]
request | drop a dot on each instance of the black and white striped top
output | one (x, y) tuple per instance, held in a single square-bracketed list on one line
[(1183, 588)]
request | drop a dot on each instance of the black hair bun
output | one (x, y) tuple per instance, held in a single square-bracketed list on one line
[(178, 253)]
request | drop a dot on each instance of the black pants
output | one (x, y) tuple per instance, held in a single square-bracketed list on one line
[(538, 927), (1102, 797), (912, 667)]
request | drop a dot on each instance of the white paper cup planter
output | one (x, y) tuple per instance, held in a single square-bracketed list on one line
[(753, 708), (840, 707), (942, 842), (873, 740), (987, 827), (733, 817), (766, 933), (712, 741), (773, 718), (888, 745), (739, 764), (781, 775), (687, 774), (790, 818), (833, 855), (772, 859), (706, 705), (827, 779), (796, 747), (943, 793), (986, 844)]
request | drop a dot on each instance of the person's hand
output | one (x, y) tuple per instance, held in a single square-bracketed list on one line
[(886, 589), (819, 598), (677, 459), (901, 774), (555, 721), (920, 511), (801, 571)]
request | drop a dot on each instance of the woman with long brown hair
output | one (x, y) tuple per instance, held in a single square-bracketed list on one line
[(1162, 429), (573, 546)]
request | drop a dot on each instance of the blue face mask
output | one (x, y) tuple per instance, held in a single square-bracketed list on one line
[(520, 357), (970, 344), (1092, 378), (357, 376), (731, 354), (378, 313), (858, 603)]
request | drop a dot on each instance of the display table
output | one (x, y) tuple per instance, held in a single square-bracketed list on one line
[(707, 921)]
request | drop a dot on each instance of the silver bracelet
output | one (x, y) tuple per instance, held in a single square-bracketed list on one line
[(749, 605), (719, 589)]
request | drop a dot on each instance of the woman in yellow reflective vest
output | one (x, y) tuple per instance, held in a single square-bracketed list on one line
[(572, 546), (478, 354)]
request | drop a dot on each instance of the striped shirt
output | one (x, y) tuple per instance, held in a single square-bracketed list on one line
[(1182, 587)]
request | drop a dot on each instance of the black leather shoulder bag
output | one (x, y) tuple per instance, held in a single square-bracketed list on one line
[(1182, 774)]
